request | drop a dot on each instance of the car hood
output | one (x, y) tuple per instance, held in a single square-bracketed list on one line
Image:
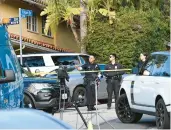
[(40, 80)]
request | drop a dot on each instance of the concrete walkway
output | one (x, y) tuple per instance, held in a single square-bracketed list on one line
[(71, 116)]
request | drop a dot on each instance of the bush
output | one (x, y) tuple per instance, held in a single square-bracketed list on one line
[(133, 32)]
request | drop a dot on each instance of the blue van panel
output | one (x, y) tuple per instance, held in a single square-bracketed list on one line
[(30, 119), (11, 94)]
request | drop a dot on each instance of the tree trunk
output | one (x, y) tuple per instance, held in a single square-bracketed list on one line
[(83, 24)]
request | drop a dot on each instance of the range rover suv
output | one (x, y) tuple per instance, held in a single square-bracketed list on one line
[(147, 92)]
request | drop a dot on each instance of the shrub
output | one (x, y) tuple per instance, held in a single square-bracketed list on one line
[(133, 32)]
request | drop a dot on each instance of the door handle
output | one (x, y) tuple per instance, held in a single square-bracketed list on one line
[(157, 82), (142, 81)]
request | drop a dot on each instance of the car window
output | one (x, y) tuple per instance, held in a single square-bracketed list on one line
[(65, 60), (158, 65), (166, 68), (148, 65), (84, 59), (34, 61)]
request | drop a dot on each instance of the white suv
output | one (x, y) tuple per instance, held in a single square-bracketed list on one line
[(147, 92), (50, 61)]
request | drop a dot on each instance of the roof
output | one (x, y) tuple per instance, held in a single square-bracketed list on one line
[(40, 3), (54, 54), (162, 53), (39, 43)]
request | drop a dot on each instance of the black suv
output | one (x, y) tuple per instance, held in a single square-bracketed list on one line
[(42, 93)]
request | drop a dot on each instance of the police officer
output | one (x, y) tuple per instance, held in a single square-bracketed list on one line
[(89, 81), (113, 79), (143, 58)]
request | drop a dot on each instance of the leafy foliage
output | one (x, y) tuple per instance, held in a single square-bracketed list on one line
[(133, 32)]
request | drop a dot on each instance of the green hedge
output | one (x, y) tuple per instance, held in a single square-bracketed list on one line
[(133, 32)]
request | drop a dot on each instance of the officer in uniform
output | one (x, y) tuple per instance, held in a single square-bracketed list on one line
[(113, 79), (89, 81)]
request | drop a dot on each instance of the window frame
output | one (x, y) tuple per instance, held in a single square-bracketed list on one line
[(32, 21), (49, 34)]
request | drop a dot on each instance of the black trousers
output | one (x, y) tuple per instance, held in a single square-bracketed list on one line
[(90, 92), (113, 86)]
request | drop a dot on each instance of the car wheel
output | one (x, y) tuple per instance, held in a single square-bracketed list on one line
[(28, 103), (162, 116), (80, 96), (124, 112)]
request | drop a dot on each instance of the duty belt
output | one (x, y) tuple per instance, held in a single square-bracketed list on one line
[(114, 77)]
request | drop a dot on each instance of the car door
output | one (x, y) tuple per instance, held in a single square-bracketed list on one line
[(146, 86), (142, 86), (102, 92)]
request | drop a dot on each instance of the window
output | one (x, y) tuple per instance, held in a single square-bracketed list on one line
[(158, 65), (166, 68), (65, 60), (43, 27), (84, 59), (148, 65), (35, 61), (32, 23)]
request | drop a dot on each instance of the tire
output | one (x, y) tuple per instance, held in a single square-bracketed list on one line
[(162, 116), (48, 110), (124, 112), (80, 96), (28, 103)]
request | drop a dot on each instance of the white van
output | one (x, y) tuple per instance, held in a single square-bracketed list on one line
[(50, 61)]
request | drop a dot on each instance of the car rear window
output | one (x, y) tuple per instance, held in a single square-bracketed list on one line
[(33, 61), (65, 60), (84, 59)]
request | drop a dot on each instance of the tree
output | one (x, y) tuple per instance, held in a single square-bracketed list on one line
[(58, 11), (64, 10), (133, 32)]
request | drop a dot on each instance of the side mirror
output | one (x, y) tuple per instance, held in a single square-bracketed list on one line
[(9, 77)]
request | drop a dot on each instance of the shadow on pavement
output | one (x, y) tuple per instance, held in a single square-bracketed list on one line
[(147, 122)]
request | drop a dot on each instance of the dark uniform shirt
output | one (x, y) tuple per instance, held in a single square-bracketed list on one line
[(110, 74), (139, 66), (90, 67)]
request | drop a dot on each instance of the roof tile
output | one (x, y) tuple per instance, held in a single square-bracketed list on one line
[(39, 43)]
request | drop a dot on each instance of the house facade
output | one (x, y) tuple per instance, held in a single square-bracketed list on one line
[(33, 37)]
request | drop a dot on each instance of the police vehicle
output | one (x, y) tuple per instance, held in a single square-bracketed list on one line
[(147, 92)]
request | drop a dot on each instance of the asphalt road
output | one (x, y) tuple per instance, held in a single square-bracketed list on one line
[(147, 122)]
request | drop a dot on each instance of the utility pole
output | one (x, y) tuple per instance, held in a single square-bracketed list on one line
[(83, 24)]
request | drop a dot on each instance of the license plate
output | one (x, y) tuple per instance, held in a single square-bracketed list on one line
[(64, 96)]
